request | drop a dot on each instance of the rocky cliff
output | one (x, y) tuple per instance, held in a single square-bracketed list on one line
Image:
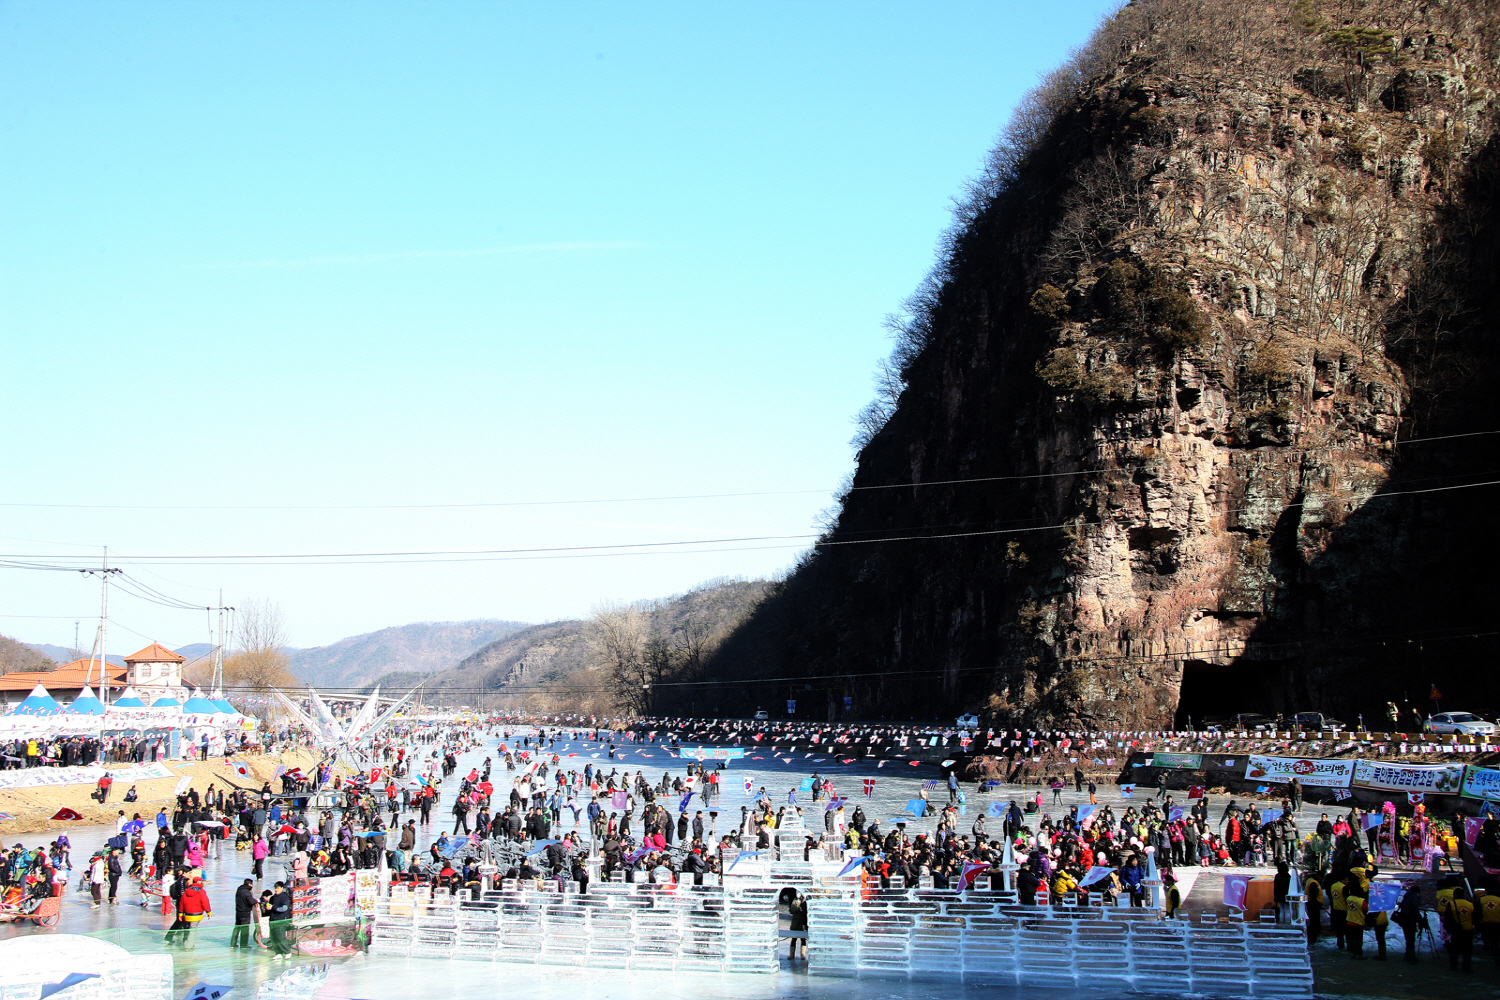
[(1141, 452)]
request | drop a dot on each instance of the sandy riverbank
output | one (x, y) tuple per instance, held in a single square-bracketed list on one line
[(32, 808)]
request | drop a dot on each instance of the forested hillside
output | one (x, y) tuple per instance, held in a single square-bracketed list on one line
[(646, 656)]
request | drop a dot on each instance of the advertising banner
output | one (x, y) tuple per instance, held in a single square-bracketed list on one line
[(1433, 779), (1313, 772), (366, 891), (1178, 761), (712, 753), (38, 777), (1481, 783)]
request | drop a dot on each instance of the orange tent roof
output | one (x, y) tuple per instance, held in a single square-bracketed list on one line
[(155, 653)]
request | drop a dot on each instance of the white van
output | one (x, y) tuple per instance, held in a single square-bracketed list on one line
[(970, 721)]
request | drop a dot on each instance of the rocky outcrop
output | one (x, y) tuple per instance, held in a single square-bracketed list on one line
[(1144, 459)]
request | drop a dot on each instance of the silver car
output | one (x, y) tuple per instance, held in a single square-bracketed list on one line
[(1462, 723)]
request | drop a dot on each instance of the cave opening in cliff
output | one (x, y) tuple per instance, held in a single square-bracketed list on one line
[(1213, 691)]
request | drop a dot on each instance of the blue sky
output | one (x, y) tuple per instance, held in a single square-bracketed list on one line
[(340, 255)]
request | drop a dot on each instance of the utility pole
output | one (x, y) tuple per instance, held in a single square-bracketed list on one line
[(103, 618), (104, 571), (218, 685)]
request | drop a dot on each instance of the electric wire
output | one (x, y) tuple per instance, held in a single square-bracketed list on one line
[(641, 548), (647, 499)]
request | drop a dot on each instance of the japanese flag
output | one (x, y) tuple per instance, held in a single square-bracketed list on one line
[(239, 768)]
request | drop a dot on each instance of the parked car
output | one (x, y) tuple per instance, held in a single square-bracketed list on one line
[(1462, 723), (970, 721), (1245, 720), (761, 715), (1315, 720)]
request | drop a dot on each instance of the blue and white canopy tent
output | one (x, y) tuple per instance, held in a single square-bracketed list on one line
[(129, 699), (38, 702), (87, 703)]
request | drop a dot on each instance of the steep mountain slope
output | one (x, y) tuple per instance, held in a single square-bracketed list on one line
[(423, 647), (17, 656), (1141, 448), (557, 666)]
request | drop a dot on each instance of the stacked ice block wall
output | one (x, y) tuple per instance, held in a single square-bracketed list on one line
[(948, 936), (614, 926)]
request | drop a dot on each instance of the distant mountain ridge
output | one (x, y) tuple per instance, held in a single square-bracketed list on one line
[(554, 665), (62, 654), (418, 648)]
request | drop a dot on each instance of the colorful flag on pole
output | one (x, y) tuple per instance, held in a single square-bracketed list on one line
[(1235, 887), (853, 864), (71, 979), (970, 873), (1384, 896), (1095, 873), (1195, 792), (869, 787), (205, 991)]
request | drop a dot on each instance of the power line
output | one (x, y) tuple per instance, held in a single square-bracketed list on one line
[(596, 551), (648, 499), (644, 548), (1427, 635)]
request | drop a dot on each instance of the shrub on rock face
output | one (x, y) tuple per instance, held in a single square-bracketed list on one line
[(1104, 382), (1049, 303), (1151, 301), (1179, 324)]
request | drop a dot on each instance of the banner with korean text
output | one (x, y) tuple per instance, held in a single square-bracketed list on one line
[(1435, 779), (1313, 772), (1481, 783)]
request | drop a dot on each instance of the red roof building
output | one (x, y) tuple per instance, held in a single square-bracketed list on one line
[(63, 683)]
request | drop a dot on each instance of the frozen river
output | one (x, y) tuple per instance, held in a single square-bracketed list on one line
[(140, 930)]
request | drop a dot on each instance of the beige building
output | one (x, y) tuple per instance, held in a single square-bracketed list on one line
[(156, 672)]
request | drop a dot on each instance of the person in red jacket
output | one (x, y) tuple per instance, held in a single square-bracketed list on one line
[(195, 908)]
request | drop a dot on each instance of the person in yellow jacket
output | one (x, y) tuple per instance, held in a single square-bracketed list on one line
[(1459, 921), (1313, 887), (1355, 906), (1174, 895), (1489, 922), (1062, 885), (1336, 909)]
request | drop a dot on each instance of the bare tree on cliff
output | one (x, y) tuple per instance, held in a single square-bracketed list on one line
[(617, 634)]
